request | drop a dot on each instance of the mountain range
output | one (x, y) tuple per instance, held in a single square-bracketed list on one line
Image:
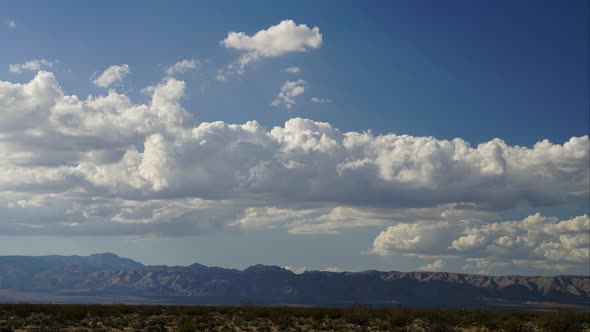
[(108, 278)]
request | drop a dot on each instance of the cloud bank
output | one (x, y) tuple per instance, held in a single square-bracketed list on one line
[(536, 240), (105, 165)]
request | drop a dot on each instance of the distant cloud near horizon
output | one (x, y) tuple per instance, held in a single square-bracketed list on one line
[(296, 270), (33, 65), (535, 240), (283, 38), (437, 265), (112, 75)]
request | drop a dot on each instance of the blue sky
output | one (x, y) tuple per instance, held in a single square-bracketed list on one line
[(473, 70)]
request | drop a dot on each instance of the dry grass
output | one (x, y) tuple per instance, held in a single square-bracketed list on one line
[(79, 318)]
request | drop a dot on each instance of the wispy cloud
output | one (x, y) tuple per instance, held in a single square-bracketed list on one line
[(292, 70), (295, 269), (183, 66), (320, 100), (289, 90), (32, 65), (112, 75)]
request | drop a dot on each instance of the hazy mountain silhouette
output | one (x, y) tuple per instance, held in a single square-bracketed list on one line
[(107, 278)]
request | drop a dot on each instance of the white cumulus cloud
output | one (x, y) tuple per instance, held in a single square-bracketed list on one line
[(534, 241), (113, 74), (283, 38)]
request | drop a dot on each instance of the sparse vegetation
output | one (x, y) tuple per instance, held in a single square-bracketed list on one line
[(358, 317)]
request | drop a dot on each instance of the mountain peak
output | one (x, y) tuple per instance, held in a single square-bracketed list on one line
[(112, 261), (260, 268), (197, 266), (105, 255)]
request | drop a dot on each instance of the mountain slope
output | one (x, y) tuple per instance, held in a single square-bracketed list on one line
[(107, 275)]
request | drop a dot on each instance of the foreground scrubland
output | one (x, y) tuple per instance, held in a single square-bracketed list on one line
[(29, 317)]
